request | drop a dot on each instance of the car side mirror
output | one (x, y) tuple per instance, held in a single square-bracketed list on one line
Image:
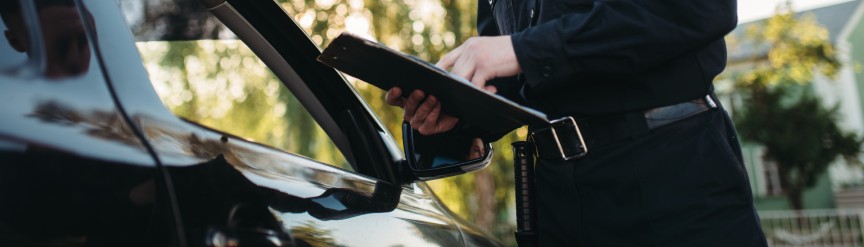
[(443, 155)]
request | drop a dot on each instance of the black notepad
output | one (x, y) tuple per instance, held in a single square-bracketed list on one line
[(385, 68)]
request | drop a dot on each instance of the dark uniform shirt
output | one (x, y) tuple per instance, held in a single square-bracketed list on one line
[(584, 57), (680, 185)]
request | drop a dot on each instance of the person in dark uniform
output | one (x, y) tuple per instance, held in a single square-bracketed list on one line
[(663, 166)]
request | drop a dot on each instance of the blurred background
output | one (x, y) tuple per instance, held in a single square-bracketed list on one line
[(794, 86)]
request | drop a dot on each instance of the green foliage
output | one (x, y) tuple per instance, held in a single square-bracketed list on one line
[(799, 46), (798, 133), (223, 85), (802, 137)]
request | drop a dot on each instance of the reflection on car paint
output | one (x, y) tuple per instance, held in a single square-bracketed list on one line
[(61, 49)]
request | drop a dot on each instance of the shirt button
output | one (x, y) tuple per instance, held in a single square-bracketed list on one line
[(547, 71)]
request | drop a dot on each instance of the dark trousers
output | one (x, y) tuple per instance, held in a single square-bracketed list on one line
[(682, 184)]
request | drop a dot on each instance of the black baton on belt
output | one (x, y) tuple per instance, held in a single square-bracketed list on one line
[(523, 162)]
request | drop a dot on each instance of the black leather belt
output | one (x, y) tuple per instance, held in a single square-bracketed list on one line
[(567, 138)]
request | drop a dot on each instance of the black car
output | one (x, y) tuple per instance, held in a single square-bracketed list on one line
[(90, 155)]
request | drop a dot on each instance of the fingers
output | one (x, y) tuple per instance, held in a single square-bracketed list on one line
[(430, 124), (412, 103), (479, 80), (432, 119), (481, 59), (449, 59), (465, 68), (491, 89), (464, 63), (436, 123), (422, 114), (461, 63), (394, 97), (446, 123)]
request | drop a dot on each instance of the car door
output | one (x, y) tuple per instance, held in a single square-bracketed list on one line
[(231, 190), (73, 170)]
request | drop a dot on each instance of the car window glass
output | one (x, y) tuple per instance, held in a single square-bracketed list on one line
[(203, 73), (63, 50), (16, 41), (12, 58)]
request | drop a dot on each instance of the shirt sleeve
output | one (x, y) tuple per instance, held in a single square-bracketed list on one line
[(619, 37), (486, 25)]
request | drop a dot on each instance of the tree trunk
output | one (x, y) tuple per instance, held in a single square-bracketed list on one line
[(485, 188), (795, 197), (793, 187)]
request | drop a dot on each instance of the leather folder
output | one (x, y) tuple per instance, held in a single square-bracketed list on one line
[(385, 68)]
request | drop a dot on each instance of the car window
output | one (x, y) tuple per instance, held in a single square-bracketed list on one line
[(22, 53), (13, 57), (15, 45), (203, 73), (61, 49)]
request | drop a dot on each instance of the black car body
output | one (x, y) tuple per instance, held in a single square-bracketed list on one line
[(90, 156)]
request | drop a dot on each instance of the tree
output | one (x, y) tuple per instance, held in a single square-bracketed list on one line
[(798, 132), (216, 82)]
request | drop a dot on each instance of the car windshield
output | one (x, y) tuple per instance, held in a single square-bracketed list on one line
[(204, 74)]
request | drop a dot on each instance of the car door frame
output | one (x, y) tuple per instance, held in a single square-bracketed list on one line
[(330, 99)]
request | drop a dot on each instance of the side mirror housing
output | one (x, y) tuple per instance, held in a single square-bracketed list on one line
[(443, 155)]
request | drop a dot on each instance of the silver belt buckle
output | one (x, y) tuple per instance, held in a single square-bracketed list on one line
[(562, 122)]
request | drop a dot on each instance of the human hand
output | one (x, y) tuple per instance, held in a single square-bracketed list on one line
[(481, 59), (423, 113)]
